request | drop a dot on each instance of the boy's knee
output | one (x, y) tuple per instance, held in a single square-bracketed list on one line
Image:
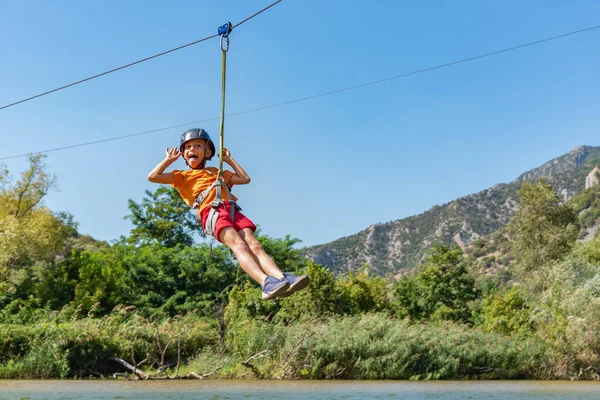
[(239, 245), (255, 246)]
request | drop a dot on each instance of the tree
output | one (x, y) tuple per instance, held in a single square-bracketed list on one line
[(543, 231), (169, 280), (507, 312), (22, 198), (590, 250), (163, 218), (29, 232), (282, 251), (32, 238), (441, 290), (364, 292)]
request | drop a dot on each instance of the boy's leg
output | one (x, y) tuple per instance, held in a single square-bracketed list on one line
[(241, 251), (265, 263), (272, 287)]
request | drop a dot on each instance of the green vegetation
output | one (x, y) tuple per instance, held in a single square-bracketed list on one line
[(523, 302), (587, 205), (543, 232), (440, 291)]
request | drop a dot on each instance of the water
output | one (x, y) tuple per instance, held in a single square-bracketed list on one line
[(296, 390)]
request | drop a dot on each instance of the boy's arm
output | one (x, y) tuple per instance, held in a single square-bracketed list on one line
[(157, 175), (240, 177)]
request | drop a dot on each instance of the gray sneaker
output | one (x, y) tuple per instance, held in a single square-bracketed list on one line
[(273, 287), (296, 283)]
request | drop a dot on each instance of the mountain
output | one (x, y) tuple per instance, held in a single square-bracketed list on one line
[(392, 246)]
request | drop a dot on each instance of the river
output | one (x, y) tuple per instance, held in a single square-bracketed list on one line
[(296, 390)]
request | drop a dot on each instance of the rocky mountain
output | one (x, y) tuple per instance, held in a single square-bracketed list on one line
[(392, 246)]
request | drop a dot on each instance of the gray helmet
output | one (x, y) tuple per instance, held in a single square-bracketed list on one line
[(197, 134)]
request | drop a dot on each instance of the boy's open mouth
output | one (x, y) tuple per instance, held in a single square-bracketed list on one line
[(193, 158)]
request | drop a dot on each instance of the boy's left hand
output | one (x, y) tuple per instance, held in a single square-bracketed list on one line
[(226, 155)]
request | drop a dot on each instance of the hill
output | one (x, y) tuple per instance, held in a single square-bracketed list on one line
[(393, 246)]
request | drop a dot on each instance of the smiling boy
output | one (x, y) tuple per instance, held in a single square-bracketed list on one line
[(222, 217)]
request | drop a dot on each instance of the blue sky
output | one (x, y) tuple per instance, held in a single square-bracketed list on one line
[(323, 168)]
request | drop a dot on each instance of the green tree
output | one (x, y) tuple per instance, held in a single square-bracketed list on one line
[(21, 198), (162, 217), (543, 231), (364, 292), (322, 298), (568, 311), (507, 312), (57, 282), (441, 290), (172, 281), (153, 278), (282, 251), (30, 234), (590, 250)]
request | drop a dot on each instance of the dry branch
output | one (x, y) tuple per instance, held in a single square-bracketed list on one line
[(251, 366), (178, 356), (162, 351), (198, 376), (130, 367), (288, 356), (295, 348)]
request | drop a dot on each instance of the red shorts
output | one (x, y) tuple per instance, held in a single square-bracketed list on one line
[(240, 221)]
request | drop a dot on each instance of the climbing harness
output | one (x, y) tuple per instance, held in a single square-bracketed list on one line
[(211, 219), (219, 183)]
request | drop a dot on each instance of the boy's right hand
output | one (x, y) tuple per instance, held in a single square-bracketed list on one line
[(173, 154)]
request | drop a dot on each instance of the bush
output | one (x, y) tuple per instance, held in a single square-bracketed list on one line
[(78, 348), (441, 290), (377, 347), (507, 312)]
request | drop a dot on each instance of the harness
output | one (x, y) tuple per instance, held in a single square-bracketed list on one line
[(213, 214)]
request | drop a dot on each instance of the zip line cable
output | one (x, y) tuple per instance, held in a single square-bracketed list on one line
[(107, 139), (133, 63), (464, 60)]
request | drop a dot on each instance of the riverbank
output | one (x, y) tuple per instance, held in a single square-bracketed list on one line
[(372, 346)]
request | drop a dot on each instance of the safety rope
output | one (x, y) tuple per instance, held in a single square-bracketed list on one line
[(223, 31)]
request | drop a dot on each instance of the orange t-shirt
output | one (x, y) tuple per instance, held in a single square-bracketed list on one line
[(192, 182)]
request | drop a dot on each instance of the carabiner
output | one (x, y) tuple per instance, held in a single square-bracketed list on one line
[(226, 42)]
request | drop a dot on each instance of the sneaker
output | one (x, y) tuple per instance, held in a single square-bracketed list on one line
[(273, 287), (296, 283)]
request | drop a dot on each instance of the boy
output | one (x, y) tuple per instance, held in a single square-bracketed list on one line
[(196, 187)]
